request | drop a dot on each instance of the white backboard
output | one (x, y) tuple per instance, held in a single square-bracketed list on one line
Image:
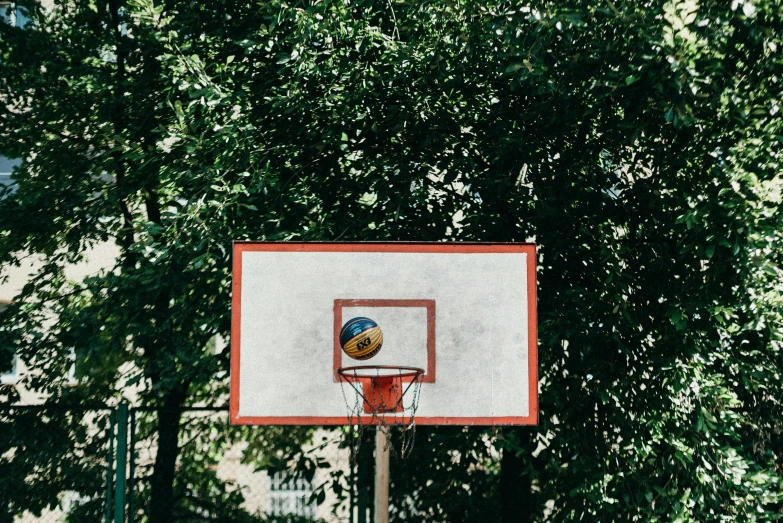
[(465, 313)]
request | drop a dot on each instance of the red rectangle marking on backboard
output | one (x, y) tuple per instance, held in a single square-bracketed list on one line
[(429, 305)]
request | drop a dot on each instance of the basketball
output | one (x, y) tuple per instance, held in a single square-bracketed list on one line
[(361, 338)]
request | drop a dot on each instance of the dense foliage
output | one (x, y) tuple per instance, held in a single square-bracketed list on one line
[(637, 143)]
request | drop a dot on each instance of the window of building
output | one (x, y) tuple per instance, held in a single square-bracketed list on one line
[(71, 500), (6, 167), (9, 371), (9, 364), (7, 13), (290, 496), (71, 378), (12, 14)]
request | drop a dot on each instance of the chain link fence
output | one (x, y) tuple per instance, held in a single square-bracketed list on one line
[(55, 463), (64, 464)]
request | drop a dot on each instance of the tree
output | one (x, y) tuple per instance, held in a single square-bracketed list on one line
[(624, 142), (636, 143)]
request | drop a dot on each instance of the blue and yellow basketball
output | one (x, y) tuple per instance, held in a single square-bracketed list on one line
[(361, 338)]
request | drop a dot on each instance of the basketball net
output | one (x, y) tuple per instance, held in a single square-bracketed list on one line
[(378, 401)]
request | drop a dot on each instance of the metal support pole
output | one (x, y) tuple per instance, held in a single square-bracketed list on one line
[(110, 466), (381, 476), (122, 453), (352, 495), (132, 472)]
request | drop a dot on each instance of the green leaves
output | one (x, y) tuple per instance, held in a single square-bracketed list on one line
[(637, 144)]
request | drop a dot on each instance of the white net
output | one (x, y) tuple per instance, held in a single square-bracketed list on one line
[(381, 396)]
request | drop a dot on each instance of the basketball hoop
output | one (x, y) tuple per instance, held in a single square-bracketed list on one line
[(383, 386), (379, 397)]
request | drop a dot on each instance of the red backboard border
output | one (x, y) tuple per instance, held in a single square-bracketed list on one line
[(441, 247)]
